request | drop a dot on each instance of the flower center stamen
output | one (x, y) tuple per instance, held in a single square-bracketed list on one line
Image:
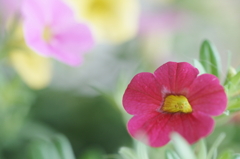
[(100, 9), (47, 34), (176, 103)]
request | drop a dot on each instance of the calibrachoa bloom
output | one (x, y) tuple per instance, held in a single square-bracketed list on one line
[(51, 30), (173, 99), (111, 20)]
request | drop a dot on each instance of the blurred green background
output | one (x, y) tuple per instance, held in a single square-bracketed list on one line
[(81, 106)]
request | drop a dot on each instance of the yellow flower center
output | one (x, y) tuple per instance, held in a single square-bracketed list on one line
[(176, 103), (99, 6), (47, 34), (100, 9)]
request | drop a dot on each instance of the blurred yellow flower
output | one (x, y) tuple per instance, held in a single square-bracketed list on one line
[(34, 69), (110, 20)]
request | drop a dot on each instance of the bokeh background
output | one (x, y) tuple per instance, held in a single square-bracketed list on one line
[(42, 98)]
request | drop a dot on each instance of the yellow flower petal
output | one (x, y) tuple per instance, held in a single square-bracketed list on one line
[(110, 20), (34, 69)]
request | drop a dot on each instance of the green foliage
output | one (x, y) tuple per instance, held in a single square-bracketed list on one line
[(213, 149), (140, 152), (228, 154), (199, 66), (201, 151), (63, 146), (210, 59), (127, 153), (232, 88), (92, 154), (182, 147), (15, 102), (181, 150), (57, 147), (170, 154)]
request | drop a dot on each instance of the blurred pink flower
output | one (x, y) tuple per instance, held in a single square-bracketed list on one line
[(8, 8), (51, 30), (170, 20), (173, 99)]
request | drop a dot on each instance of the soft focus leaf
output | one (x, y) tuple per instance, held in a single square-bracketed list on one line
[(236, 156), (234, 104), (199, 66), (233, 82), (42, 149), (141, 151), (210, 59), (127, 153), (231, 72), (202, 150), (63, 146), (92, 154), (182, 147), (226, 155), (232, 87), (169, 154), (215, 145), (15, 102)]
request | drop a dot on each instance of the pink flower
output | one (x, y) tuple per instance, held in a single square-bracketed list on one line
[(173, 99), (51, 30), (8, 8)]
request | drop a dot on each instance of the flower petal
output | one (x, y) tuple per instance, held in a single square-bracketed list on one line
[(76, 42), (176, 77), (207, 95), (158, 126), (153, 126), (143, 94), (192, 126), (68, 41)]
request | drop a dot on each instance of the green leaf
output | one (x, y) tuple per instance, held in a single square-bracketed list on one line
[(210, 59), (236, 156), (92, 154), (142, 152), (127, 153), (233, 91), (201, 150), (63, 146), (234, 104), (215, 145), (170, 154), (182, 147), (42, 149), (231, 72), (233, 84), (226, 155), (199, 66)]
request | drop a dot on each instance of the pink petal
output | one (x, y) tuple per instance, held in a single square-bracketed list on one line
[(61, 14), (161, 21), (143, 94), (33, 37), (152, 127), (158, 126), (176, 77), (192, 126), (207, 95), (76, 40), (70, 39), (35, 11)]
